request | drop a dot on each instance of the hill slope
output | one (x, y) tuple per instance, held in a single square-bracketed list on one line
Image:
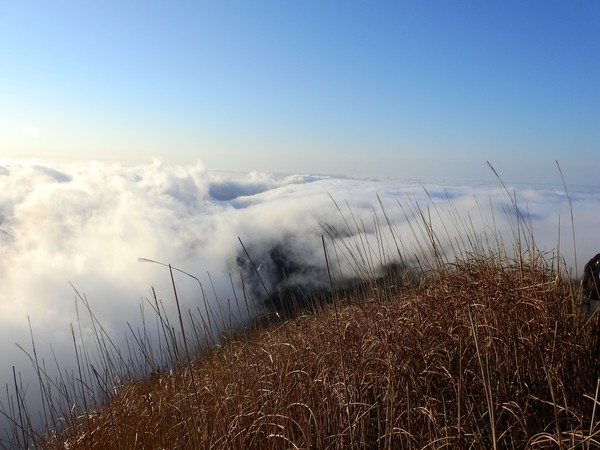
[(481, 353)]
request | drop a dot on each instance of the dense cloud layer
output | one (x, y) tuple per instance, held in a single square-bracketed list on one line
[(87, 224)]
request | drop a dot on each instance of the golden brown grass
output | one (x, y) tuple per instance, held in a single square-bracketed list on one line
[(481, 353)]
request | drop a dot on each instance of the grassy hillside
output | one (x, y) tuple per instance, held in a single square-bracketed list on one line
[(483, 353)]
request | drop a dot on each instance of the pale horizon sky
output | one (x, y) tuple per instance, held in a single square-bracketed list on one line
[(387, 89)]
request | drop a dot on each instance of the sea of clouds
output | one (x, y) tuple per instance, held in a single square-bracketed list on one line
[(85, 226)]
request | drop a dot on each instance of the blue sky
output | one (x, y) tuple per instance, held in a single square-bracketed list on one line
[(426, 89)]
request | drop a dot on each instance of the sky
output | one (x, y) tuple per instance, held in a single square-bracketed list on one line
[(427, 89)]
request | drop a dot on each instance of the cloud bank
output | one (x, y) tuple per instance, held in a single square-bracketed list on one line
[(87, 225)]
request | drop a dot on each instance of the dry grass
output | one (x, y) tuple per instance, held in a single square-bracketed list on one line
[(483, 353)]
